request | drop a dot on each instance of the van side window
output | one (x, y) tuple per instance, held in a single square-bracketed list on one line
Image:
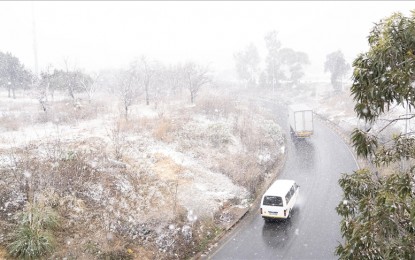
[(290, 193), (273, 201), (288, 197)]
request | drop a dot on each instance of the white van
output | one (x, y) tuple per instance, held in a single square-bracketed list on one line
[(279, 199)]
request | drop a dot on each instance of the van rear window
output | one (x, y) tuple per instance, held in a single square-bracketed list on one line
[(273, 201)]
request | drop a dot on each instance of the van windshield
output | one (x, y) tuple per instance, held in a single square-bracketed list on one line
[(273, 201)]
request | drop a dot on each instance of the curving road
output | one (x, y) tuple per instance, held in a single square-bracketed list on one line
[(313, 231)]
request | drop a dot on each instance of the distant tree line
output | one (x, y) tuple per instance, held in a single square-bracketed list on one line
[(283, 66), (143, 77)]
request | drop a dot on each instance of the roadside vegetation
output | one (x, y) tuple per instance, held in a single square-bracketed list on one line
[(98, 176)]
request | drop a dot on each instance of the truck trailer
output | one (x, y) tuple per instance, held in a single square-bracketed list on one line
[(300, 118)]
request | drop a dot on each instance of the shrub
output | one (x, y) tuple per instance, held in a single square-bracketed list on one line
[(33, 237), (216, 106), (219, 134)]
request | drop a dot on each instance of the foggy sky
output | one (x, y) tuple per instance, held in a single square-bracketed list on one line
[(96, 35)]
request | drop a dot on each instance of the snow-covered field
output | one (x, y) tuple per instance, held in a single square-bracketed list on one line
[(154, 181)]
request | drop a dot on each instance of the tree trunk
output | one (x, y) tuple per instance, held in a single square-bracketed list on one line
[(126, 112), (47, 91), (147, 98)]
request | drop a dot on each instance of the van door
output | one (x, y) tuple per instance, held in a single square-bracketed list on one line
[(291, 197), (273, 207)]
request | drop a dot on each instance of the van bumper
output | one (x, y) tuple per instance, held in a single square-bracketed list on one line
[(303, 134), (272, 217)]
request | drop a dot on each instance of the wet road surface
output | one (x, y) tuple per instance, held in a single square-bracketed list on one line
[(313, 231)]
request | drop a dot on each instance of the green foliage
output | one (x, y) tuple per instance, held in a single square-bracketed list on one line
[(378, 216), (363, 143), (378, 213), (33, 237), (401, 148), (384, 75)]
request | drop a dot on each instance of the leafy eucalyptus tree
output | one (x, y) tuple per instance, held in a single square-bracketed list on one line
[(13, 74), (378, 209), (292, 64), (272, 65), (282, 64), (337, 66), (247, 62)]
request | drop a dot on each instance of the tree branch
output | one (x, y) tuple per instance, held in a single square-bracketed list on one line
[(395, 120)]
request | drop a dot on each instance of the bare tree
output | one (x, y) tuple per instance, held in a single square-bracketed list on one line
[(128, 87), (160, 84), (90, 84), (147, 71), (195, 77), (69, 80), (73, 80), (174, 78), (44, 88)]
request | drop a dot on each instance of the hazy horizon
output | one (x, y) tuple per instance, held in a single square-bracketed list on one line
[(100, 35)]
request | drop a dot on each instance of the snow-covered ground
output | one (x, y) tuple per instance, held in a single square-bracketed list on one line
[(171, 165)]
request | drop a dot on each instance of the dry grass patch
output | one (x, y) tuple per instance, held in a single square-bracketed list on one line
[(68, 112), (126, 126), (163, 129), (167, 169), (243, 169), (3, 253), (9, 122), (216, 106)]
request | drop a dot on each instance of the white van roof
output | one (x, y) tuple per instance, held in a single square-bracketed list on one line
[(279, 188), (299, 107)]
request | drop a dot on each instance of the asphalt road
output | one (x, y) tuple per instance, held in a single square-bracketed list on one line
[(313, 232)]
